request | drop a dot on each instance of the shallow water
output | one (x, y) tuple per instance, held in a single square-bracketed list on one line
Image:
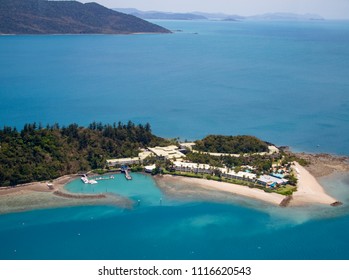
[(284, 82), (176, 229)]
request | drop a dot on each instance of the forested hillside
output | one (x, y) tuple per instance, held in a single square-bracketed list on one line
[(38, 153), (68, 17), (231, 144)]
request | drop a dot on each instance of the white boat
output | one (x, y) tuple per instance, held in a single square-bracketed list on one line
[(84, 180), (87, 181)]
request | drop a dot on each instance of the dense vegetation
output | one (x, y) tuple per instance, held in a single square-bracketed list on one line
[(68, 17), (38, 153), (231, 144), (262, 163)]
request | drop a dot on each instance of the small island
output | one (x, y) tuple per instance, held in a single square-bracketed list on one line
[(68, 17), (36, 163)]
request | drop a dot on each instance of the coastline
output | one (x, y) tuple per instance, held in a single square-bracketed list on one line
[(321, 165), (309, 190), (173, 186), (38, 195)]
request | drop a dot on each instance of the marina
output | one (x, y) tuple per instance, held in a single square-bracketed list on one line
[(86, 180)]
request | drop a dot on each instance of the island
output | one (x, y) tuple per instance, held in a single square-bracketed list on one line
[(37, 162), (68, 17)]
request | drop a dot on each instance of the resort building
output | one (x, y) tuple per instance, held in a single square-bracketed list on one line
[(192, 167), (169, 152), (123, 161), (271, 150), (128, 161), (187, 145), (245, 176), (207, 169), (270, 181), (149, 168)]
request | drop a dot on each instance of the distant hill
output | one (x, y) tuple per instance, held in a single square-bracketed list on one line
[(68, 17), (286, 16), (160, 15), (220, 16), (216, 16)]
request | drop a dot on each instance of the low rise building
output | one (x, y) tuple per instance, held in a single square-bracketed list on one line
[(192, 167), (149, 168), (270, 181), (169, 152), (187, 145), (123, 161), (245, 176), (128, 161)]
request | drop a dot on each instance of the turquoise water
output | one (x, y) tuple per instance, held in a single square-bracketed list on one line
[(175, 229), (284, 82), (140, 189)]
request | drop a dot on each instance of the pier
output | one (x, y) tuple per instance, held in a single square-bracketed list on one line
[(124, 169), (104, 178)]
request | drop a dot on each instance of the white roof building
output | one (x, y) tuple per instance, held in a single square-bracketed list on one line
[(269, 180), (120, 161), (187, 145), (169, 152), (242, 175), (191, 165), (149, 168)]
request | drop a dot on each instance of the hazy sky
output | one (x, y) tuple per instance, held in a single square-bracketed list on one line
[(336, 9)]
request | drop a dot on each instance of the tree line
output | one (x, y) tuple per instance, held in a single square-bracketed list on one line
[(39, 153), (240, 144)]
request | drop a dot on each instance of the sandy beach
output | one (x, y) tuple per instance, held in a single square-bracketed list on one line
[(39, 195), (172, 186), (309, 190)]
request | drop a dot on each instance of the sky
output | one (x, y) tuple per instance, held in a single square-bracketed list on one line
[(330, 9)]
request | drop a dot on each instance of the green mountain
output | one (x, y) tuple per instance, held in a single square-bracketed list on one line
[(68, 17)]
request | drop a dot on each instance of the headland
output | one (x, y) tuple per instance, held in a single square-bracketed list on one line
[(40, 195), (224, 166)]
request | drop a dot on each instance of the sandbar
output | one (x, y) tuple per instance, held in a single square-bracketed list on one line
[(39, 195)]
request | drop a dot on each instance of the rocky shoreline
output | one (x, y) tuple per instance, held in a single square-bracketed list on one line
[(321, 165)]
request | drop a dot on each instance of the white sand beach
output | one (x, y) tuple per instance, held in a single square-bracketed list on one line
[(258, 194), (39, 195), (309, 191)]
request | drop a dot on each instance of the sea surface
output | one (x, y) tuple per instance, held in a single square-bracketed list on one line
[(285, 82)]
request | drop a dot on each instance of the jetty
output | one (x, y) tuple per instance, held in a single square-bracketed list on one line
[(124, 169), (104, 178)]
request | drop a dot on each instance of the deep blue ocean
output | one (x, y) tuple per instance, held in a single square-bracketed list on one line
[(285, 82)]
